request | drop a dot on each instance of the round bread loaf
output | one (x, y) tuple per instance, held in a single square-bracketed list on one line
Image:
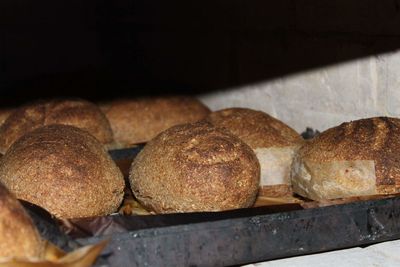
[(18, 235), (195, 167), (136, 121), (75, 112), (65, 170), (356, 158), (273, 142)]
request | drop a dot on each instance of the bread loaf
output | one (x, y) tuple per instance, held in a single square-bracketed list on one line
[(356, 158), (75, 112), (65, 170), (195, 167), (18, 235), (273, 142), (136, 121)]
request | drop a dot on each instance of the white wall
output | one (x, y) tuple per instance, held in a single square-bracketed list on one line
[(323, 97)]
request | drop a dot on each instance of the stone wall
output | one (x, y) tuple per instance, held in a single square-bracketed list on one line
[(323, 97), (338, 61)]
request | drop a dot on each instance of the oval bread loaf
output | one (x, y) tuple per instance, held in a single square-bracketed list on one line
[(136, 121), (356, 158), (195, 167), (65, 170), (74, 112)]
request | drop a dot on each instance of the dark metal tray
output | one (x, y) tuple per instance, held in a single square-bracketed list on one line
[(240, 240), (235, 237)]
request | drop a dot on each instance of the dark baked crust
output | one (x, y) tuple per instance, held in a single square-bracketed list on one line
[(266, 136), (5, 113), (136, 121), (18, 236), (64, 170), (195, 167), (255, 128), (78, 113), (375, 139)]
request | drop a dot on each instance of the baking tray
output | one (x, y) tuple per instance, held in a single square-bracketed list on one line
[(232, 237)]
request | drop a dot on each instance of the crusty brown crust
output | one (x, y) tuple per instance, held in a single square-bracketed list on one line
[(376, 139), (255, 128), (136, 121), (195, 167), (5, 113), (18, 236), (82, 114), (75, 112), (64, 170), (263, 132)]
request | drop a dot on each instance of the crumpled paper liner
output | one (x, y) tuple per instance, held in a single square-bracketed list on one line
[(54, 257), (271, 201), (130, 206)]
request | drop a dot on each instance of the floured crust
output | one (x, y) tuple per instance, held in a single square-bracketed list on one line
[(195, 167), (136, 121), (18, 235), (255, 128), (351, 146), (64, 170), (78, 113)]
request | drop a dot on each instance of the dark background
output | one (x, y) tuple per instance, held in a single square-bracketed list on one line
[(101, 49)]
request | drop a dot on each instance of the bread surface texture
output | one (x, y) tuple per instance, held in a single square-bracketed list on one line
[(75, 112), (18, 235), (138, 120), (355, 158), (195, 167), (5, 113), (256, 128), (273, 142), (65, 170)]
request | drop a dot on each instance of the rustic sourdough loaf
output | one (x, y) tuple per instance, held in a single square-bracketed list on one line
[(136, 121), (65, 170), (18, 235), (75, 112), (195, 167), (273, 142), (356, 158)]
